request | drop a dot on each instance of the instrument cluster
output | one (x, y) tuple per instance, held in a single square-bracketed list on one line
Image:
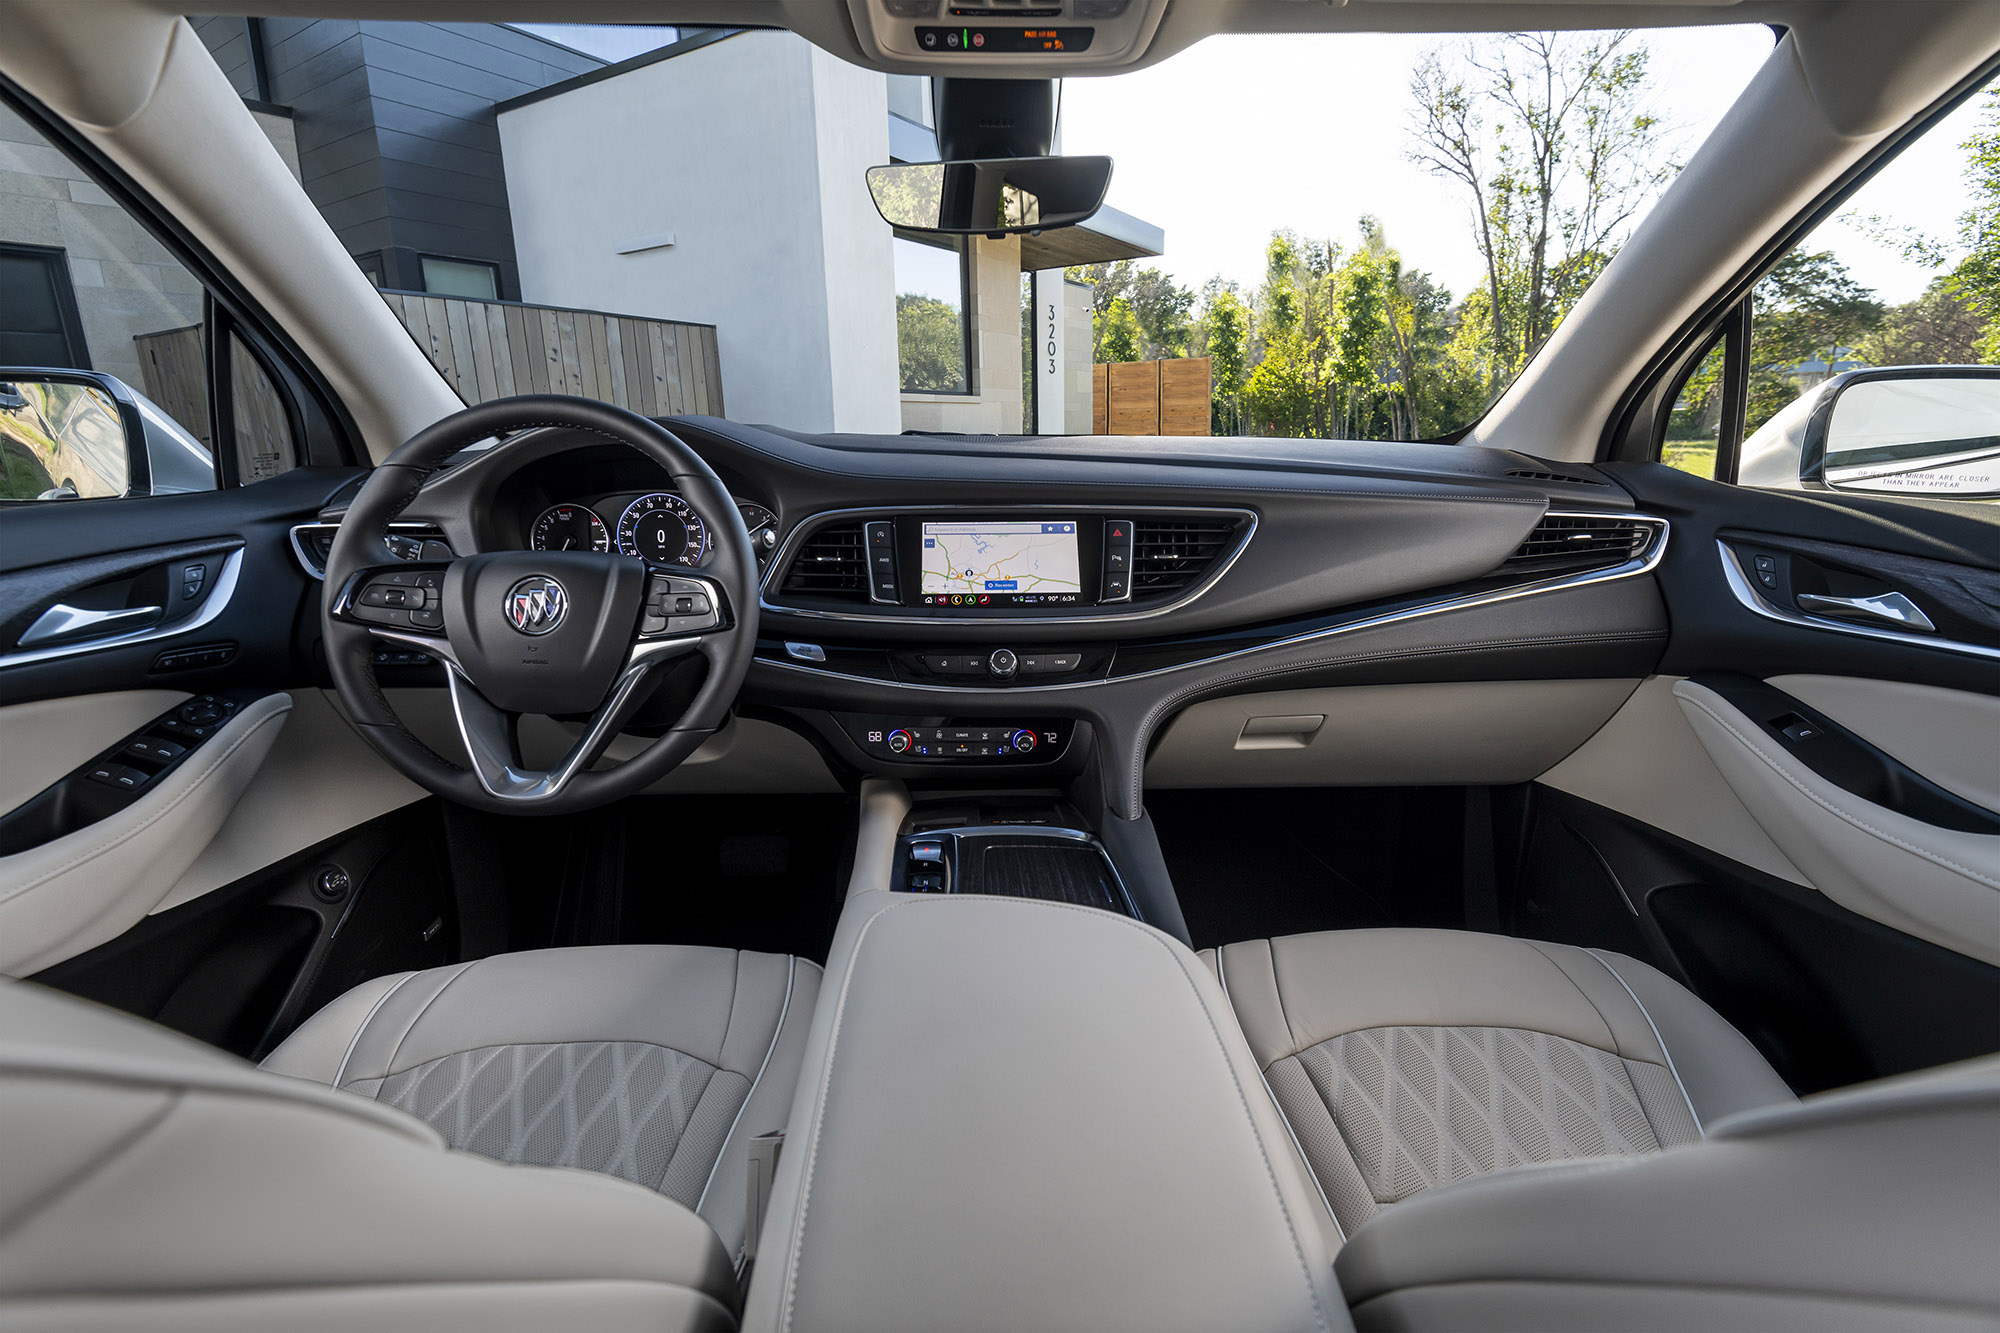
[(659, 527)]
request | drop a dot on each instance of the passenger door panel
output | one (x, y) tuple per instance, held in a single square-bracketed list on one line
[(1812, 838)]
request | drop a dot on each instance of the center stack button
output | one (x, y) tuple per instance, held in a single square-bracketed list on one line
[(1117, 585), (883, 587), (1003, 663)]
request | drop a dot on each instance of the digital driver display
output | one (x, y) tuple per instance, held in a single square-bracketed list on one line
[(989, 564)]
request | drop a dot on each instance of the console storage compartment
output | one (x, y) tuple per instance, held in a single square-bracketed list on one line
[(1021, 1114)]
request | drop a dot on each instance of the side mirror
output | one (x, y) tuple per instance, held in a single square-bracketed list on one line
[(990, 196), (82, 435), (1889, 430)]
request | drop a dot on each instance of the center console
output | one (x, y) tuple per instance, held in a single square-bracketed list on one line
[(1007, 846)]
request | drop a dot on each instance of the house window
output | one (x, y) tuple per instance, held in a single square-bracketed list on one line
[(39, 325), (932, 313), (371, 268), (461, 277)]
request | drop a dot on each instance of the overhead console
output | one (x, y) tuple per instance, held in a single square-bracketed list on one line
[(985, 38), (1004, 565)]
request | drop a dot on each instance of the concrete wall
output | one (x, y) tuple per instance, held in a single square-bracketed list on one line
[(1077, 358), (750, 154), (126, 283), (994, 406)]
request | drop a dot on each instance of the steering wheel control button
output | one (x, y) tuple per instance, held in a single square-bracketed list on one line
[(676, 605), (536, 605)]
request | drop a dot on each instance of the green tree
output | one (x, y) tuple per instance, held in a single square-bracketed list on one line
[(1976, 280), (1808, 308), (1940, 327), (930, 343), (1553, 140), (1225, 335), (1118, 334)]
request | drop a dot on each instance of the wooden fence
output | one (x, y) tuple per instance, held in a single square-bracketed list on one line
[(174, 369), (1151, 397), (495, 349), (485, 349)]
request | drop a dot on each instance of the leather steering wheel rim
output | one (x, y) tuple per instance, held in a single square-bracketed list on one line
[(360, 545)]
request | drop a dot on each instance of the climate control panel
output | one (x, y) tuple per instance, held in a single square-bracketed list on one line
[(947, 740)]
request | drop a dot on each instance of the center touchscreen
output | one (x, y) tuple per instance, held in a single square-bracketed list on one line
[(989, 563)]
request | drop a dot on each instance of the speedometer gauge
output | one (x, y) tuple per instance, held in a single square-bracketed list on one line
[(663, 529), (569, 528)]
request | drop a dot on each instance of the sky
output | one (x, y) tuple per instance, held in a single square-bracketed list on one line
[(1241, 135)]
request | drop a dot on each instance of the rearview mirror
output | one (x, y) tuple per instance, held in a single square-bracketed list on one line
[(83, 435), (1888, 430), (988, 196)]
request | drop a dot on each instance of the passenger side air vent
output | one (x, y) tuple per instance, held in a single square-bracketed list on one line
[(1532, 474), (1172, 555), (1565, 542), (830, 563)]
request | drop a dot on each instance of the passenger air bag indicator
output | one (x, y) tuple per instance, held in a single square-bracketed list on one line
[(1005, 41)]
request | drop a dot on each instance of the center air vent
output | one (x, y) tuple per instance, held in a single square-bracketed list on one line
[(830, 563), (1565, 542), (1172, 555)]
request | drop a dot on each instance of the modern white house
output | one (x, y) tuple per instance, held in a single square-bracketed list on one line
[(716, 179), (612, 179)]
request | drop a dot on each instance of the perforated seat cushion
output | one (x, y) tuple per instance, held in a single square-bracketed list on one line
[(652, 1063), (1408, 1059)]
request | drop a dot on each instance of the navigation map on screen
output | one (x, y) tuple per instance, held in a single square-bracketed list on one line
[(975, 563)]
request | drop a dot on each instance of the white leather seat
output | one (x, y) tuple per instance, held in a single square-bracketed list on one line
[(1874, 1207), (1407, 1059), (154, 1183), (650, 1062)]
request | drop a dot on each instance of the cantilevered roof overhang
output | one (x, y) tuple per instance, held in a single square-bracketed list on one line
[(1110, 235)]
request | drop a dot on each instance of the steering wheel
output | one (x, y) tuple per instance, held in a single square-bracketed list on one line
[(562, 633)]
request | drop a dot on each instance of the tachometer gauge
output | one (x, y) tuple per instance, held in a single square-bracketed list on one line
[(569, 528), (663, 529)]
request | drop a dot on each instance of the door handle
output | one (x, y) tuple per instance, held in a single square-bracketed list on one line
[(1889, 608), (65, 624)]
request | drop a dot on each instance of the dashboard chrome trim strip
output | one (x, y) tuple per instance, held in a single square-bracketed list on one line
[(813, 522), (1645, 563), (214, 605), (1740, 586)]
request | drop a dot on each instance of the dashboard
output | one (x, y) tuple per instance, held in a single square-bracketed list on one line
[(1043, 608)]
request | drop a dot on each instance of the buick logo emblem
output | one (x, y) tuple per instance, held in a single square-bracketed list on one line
[(536, 605)]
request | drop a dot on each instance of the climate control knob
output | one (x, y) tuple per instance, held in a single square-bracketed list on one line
[(1024, 741), (900, 740)]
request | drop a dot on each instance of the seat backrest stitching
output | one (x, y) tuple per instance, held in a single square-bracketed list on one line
[(1648, 1016), (1222, 976), (389, 1066), (340, 1071), (791, 974)]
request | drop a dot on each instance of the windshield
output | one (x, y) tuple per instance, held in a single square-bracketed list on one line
[(1393, 225), (1359, 236)]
